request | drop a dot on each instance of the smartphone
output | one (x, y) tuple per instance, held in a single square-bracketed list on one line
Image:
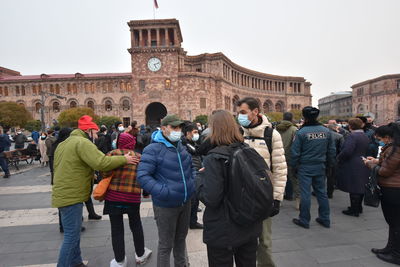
[(363, 158)]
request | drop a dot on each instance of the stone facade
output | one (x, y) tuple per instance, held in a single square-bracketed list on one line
[(379, 97), (336, 104), (164, 79)]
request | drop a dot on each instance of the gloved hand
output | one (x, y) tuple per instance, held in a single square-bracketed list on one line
[(275, 208)]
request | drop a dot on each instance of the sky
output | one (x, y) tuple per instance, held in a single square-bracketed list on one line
[(331, 43)]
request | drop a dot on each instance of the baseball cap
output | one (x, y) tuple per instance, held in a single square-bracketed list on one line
[(172, 120)]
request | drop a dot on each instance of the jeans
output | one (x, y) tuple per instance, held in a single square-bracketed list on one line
[(306, 180), (245, 255), (70, 252), (3, 164), (117, 233), (173, 225)]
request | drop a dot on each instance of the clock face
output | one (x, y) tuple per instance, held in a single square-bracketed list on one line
[(154, 64)]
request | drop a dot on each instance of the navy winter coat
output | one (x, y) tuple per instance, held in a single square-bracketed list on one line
[(352, 174), (166, 172)]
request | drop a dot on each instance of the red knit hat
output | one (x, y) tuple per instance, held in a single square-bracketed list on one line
[(126, 141), (86, 123)]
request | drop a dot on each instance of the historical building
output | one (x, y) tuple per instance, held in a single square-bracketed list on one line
[(379, 97), (337, 104), (164, 79)]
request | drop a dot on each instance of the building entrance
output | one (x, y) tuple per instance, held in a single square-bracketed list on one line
[(154, 113)]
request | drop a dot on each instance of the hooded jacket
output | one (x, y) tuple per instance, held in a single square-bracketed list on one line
[(166, 172), (287, 131), (75, 160), (279, 167)]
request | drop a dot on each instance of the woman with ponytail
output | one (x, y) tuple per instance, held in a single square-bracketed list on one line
[(389, 180)]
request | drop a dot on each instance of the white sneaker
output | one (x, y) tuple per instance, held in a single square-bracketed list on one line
[(114, 263), (143, 259)]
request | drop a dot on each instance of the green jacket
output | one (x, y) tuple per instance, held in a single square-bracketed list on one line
[(287, 131), (75, 160)]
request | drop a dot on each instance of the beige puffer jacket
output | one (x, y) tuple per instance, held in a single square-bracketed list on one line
[(279, 168)]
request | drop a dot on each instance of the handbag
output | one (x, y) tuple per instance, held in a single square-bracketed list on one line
[(372, 195), (99, 192)]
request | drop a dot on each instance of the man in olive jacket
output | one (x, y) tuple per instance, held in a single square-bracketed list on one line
[(74, 163)]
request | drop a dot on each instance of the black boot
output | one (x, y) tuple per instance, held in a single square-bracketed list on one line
[(354, 209), (394, 255), (388, 247), (90, 209)]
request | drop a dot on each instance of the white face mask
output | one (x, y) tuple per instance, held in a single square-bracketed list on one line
[(196, 137), (121, 128)]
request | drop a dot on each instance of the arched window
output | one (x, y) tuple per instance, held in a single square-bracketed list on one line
[(56, 107), (267, 106), (73, 104), (38, 106), (90, 104), (235, 99), (108, 105), (279, 107), (21, 104), (126, 105)]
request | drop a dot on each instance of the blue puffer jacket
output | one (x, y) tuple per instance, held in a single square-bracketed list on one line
[(166, 172)]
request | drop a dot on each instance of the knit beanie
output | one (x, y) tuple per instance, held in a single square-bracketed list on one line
[(126, 141), (86, 123)]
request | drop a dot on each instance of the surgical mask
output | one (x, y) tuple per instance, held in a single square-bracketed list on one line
[(43, 137), (121, 128), (19, 132), (244, 120), (174, 136), (199, 128), (381, 143), (196, 137)]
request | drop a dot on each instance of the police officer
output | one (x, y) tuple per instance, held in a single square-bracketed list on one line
[(312, 152)]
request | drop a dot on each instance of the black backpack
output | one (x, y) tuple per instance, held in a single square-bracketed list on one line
[(248, 186)]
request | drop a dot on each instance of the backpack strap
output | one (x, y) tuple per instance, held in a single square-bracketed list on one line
[(268, 139)]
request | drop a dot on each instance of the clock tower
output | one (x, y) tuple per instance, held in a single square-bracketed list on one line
[(157, 58)]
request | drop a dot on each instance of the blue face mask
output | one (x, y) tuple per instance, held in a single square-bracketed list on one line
[(244, 120), (174, 136), (381, 143)]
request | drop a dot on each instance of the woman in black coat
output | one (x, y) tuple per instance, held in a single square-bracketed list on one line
[(225, 240), (352, 174)]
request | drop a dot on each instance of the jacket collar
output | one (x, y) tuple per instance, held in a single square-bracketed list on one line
[(257, 131), (158, 137)]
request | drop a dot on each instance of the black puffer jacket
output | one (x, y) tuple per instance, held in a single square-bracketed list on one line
[(219, 231), (192, 148)]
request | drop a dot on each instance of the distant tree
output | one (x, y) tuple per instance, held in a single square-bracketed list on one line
[(107, 121), (70, 117), (297, 115), (325, 119), (203, 119), (275, 116), (33, 125), (13, 114)]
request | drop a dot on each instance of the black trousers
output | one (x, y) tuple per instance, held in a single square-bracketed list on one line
[(194, 202), (117, 233), (245, 255), (331, 180), (391, 206)]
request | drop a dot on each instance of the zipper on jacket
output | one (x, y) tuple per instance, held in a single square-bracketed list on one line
[(183, 175)]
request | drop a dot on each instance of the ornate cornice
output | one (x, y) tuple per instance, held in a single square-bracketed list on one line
[(384, 77)]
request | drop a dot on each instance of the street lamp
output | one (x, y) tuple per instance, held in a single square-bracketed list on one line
[(44, 95)]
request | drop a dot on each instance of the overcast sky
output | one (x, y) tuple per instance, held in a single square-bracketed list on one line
[(332, 43)]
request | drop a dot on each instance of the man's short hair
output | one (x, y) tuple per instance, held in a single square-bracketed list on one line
[(288, 116), (188, 128), (250, 101), (356, 123)]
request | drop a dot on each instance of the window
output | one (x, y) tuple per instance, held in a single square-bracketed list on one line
[(122, 87), (51, 89), (110, 88), (87, 88), (69, 91), (360, 91), (92, 88), (34, 90), (104, 88), (203, 103), (398, 84), (126, 121), (22, 90), (57, 89), (128, 87), (17, 92), (56, 107), (73, 104), (38, 106), (90, 104), (142, 85), (168, 84), (108, 105), (74, 89), (126, 105)]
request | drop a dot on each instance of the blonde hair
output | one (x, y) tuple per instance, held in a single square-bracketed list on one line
[(224, 129)]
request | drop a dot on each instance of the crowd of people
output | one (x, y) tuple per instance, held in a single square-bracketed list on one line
[(179, 163)]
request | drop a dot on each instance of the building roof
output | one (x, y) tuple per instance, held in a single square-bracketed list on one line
[(63, 76), (380, 78)]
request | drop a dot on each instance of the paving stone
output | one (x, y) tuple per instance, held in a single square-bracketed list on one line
[(338, 253)]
